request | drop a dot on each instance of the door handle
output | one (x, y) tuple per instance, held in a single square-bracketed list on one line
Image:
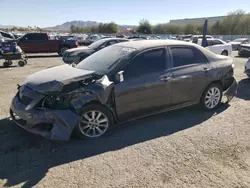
[(165, 78)]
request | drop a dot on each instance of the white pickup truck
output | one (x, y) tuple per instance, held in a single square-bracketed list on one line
[(218, 46)]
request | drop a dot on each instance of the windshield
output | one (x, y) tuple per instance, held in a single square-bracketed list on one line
[(101, 62), (239, 40), (96, 44)]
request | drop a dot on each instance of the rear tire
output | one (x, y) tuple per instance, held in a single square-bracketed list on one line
[(211, 98), (95, 121), (225, 53), (6, 64), (21, 63)]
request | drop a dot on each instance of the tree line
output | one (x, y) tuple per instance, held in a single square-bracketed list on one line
[(101, 28), (235, 23)]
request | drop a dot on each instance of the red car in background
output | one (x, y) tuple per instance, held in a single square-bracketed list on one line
[(41, 43)]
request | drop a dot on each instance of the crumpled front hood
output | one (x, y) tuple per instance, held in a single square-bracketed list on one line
[(53, 79)]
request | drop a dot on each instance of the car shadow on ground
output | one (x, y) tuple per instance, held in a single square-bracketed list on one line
[(42, 56), (244, 89), (11, 66), (26, 158)]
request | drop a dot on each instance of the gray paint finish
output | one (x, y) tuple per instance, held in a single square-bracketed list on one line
[(142, 96)]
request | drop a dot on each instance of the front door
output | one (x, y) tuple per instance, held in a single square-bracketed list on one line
[(146, 87), (190, 74)]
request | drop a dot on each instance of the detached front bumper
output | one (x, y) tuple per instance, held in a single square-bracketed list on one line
[(231, 91), (56, 125)]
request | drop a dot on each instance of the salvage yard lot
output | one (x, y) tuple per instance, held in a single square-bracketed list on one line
[(183, 148)]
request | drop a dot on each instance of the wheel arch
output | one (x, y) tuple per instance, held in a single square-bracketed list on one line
[(96, 102), (213, 82), (225, 50)]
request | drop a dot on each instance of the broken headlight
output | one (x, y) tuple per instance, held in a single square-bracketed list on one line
[(55, 102)]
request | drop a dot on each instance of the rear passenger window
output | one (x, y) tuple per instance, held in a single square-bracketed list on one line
[(186, 56)]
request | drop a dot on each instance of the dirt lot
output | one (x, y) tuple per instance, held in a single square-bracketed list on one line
[(184, 148)]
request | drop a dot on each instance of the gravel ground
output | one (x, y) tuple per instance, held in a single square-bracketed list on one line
[(184, 148)]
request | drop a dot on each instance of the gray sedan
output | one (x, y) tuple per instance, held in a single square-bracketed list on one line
[(120, 83), (76, 55)]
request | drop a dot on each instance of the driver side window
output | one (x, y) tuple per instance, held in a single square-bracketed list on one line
[(148, 62)]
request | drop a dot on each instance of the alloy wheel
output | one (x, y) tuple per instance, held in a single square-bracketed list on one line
[(212, 97), (93, 124)]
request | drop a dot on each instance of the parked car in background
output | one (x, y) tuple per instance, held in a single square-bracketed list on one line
[(137, 37), (41, 43), (195, 38), (119, 83), (80, 39), (218, 46), (237, 42), (76, 55), (92, 38), (244, 49), (186, 38), (5, 36), (247, 68)]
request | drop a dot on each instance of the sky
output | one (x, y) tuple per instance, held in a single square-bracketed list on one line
[(45, 13)]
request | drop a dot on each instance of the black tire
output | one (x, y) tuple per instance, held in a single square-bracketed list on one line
[(21, 63), (62, 50), (10, 62), (225, 53), (205, 94), (97, 108), (6, 64)]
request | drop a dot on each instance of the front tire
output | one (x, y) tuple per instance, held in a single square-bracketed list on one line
[(95, 121), (211, 98)]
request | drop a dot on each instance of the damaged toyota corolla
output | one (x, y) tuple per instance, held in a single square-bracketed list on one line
[(119, 83)]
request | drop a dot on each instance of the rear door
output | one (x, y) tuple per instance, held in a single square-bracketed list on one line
[(146, 87), (217, 47), (190, 74)]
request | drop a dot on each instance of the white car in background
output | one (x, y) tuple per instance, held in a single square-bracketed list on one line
[(218, 46), (247, 68)]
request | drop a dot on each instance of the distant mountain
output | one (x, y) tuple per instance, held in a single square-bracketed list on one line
[(6, 26), (66, 26)]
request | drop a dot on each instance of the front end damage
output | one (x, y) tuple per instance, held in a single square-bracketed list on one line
[(54, 115)]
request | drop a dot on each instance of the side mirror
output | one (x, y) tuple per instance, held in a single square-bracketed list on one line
[(119, 77)]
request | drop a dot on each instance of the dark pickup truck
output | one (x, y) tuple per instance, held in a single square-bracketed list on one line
[(41, 43)]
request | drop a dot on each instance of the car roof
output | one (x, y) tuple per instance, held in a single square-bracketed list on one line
[(145, 44)]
